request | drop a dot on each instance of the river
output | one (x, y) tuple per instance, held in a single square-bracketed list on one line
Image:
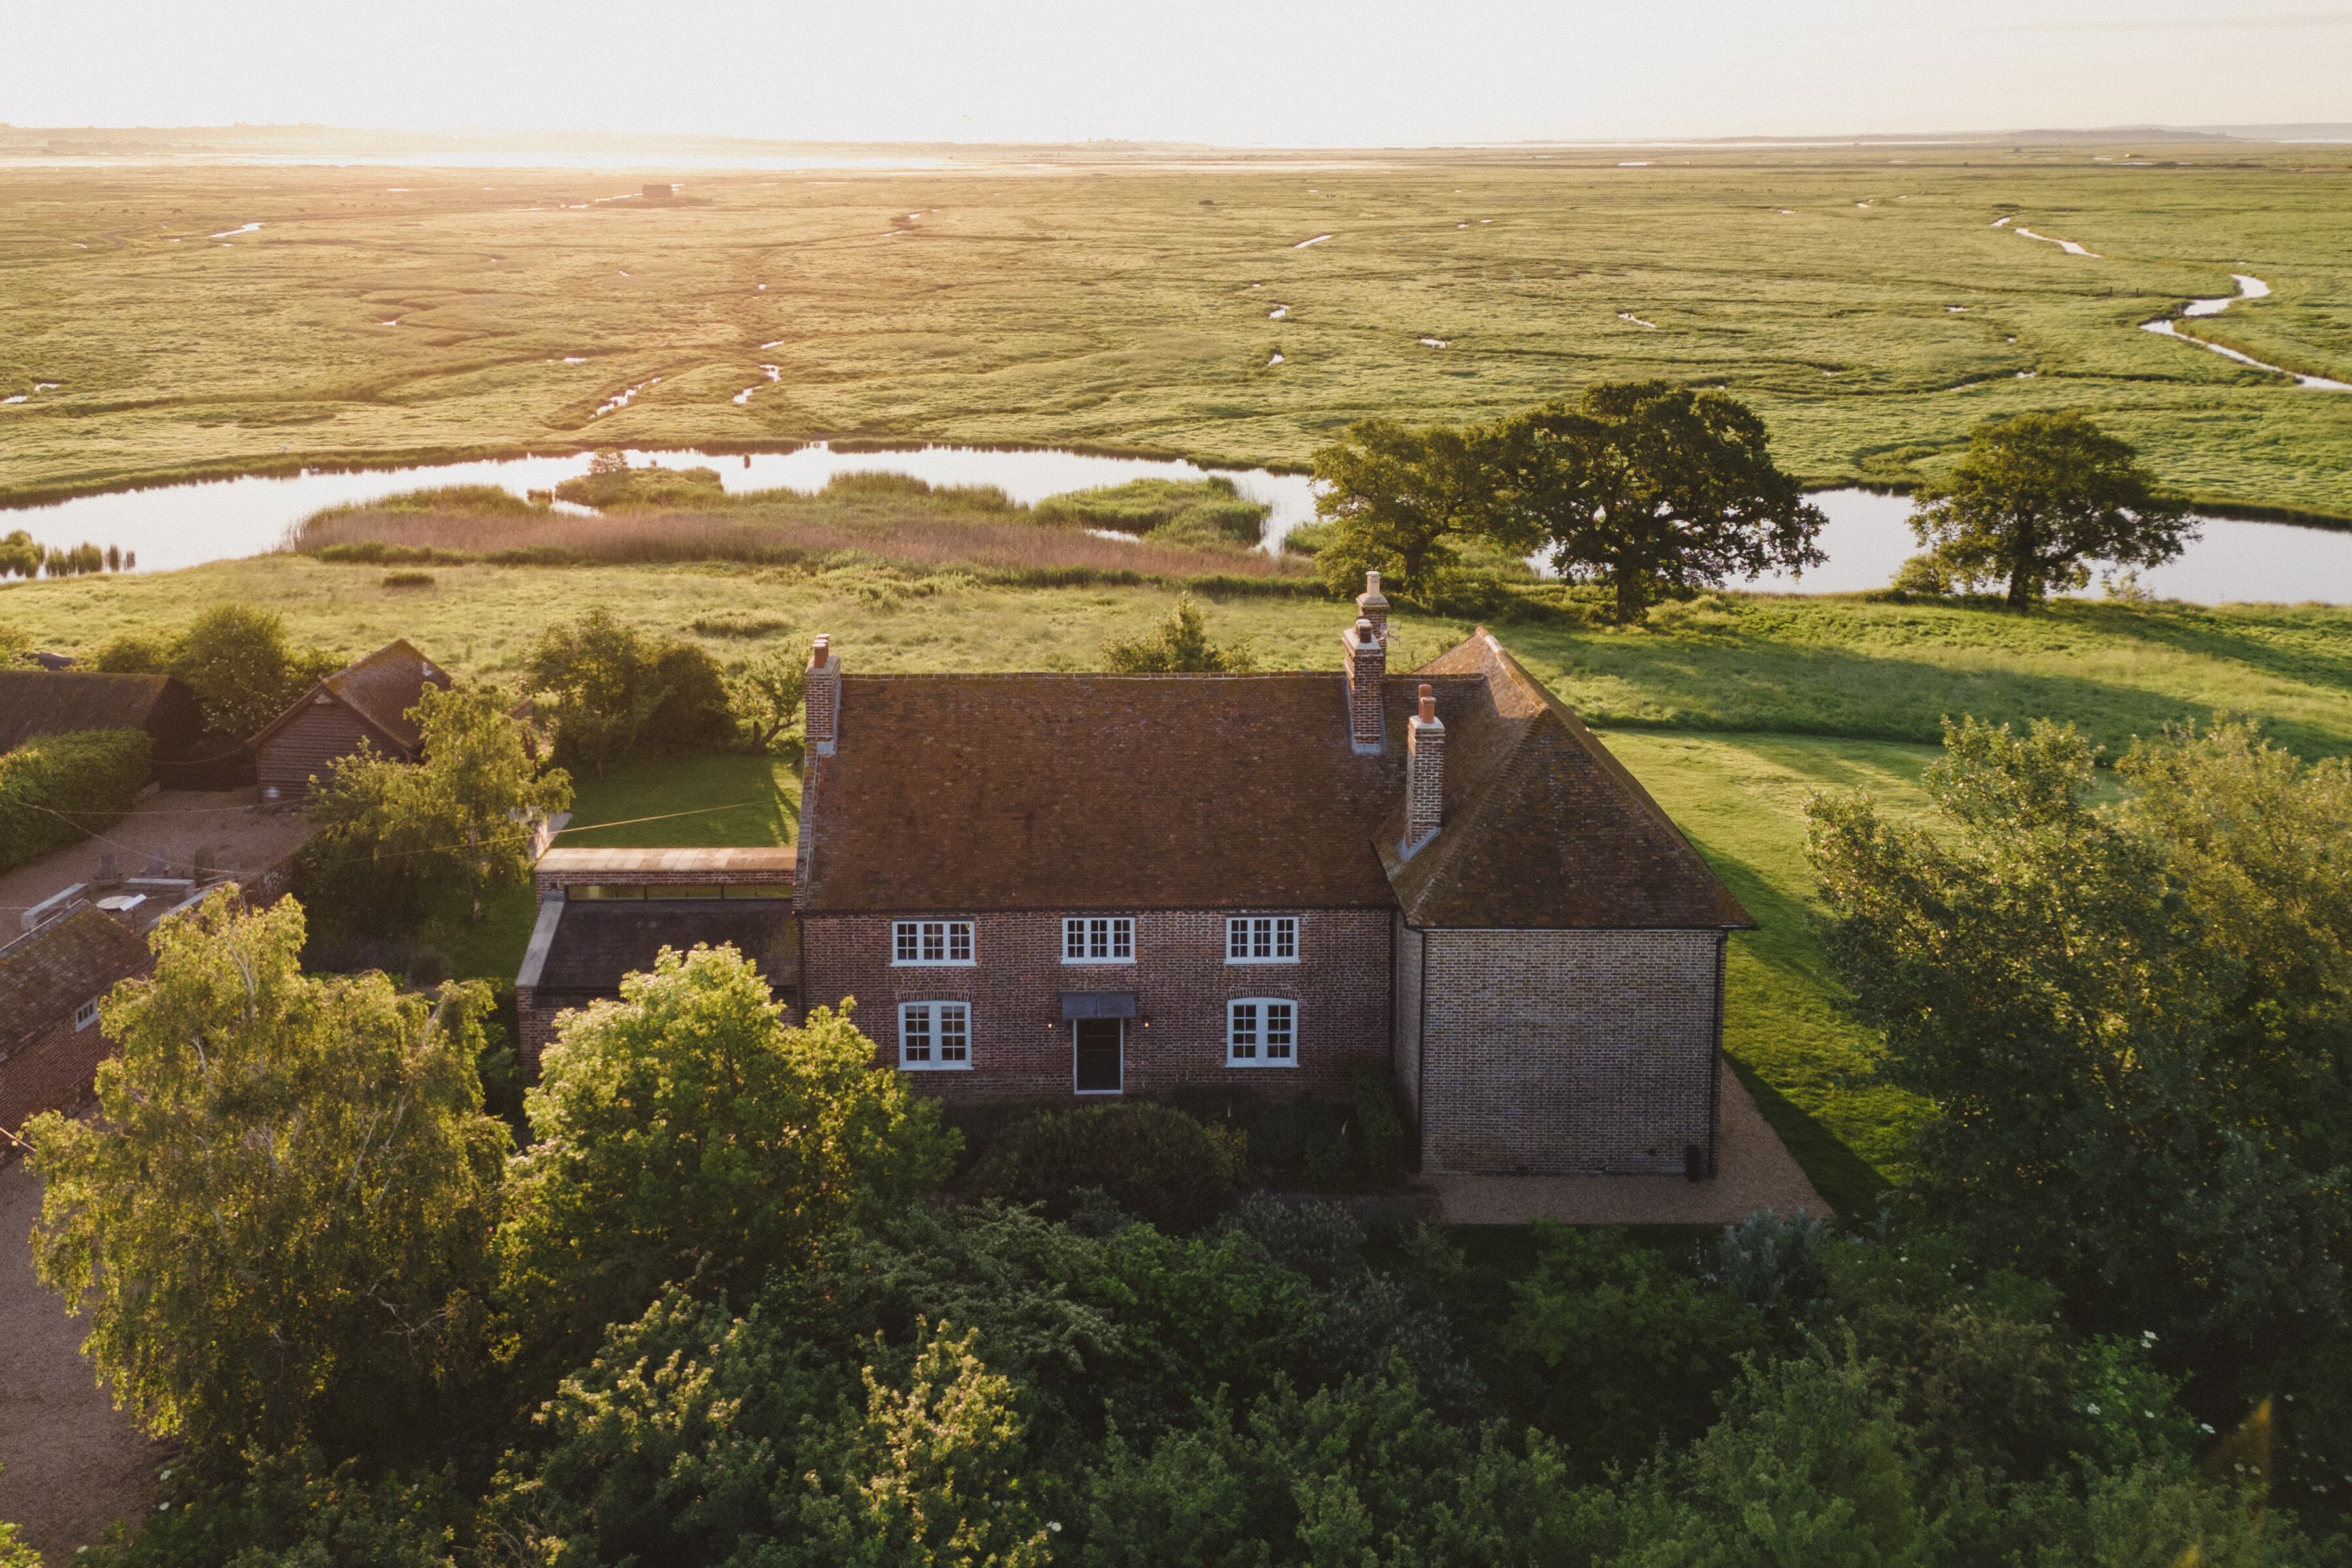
[(1866, 537)]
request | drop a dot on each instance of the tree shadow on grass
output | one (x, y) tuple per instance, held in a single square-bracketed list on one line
[(1729, 681)]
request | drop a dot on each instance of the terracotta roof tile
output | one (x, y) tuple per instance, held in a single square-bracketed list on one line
[(382, 687), (1543, 826), (984, 792)]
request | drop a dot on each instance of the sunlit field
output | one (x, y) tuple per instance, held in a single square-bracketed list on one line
[(179, 321)]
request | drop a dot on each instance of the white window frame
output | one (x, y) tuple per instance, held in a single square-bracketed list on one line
[(914, 942), (86, 1015), (1257, 1035), (1097, 939), (933, 1027), (1246, 934)]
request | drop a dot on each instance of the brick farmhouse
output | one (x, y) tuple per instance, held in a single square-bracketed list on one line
[(1074, 886)]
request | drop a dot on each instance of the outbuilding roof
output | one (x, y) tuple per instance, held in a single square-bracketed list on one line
[(594, 942), (57, 703), (381, 688), (48, 972), (1071, 792)]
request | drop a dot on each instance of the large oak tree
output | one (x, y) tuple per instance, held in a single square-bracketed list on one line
[(2039, 496), (1657, 491)]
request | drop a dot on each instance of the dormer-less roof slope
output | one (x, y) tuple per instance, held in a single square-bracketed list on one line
[(57, 703), (995, 792), (1543, 827), (51, 972), (381, 688)]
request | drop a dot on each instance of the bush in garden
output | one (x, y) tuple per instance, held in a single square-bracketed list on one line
[(1154, 1162)]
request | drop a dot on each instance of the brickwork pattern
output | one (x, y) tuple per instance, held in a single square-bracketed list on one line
[(1559, 1052), (1424, 779), (1407, 982), (1366, 664), (1022, 1047)]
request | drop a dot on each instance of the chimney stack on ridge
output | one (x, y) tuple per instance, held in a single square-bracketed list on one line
[(1367, 664), (822, 696), (1372, 606), (1424, 776)]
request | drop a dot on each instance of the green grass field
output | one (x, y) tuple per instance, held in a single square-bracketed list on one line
[(1862, 299), (1732, 710)]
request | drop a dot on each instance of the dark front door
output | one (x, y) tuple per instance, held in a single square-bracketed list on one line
[(1099, 1043)]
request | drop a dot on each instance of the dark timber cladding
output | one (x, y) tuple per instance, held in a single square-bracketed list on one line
[(368, 700)]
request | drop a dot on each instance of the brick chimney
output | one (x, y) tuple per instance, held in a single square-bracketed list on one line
[(1372, 606), (1424, 776), (1367, 664), (822, 696)]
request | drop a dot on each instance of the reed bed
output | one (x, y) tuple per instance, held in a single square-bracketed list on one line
[(1017, 549)]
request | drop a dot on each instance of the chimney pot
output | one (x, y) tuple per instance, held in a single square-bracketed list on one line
[(1428, 703), (1372, 606)]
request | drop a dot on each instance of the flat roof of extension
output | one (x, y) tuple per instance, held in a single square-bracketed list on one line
[(580, 864)]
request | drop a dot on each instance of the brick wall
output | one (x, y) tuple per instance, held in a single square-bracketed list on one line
[(1409, 942), (1569, 1051), (55, 1071), (1020, 1046)]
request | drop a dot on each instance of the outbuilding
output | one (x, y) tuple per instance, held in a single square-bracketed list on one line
[(365, 702)]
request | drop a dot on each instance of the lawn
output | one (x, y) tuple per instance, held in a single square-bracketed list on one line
[(1731, 710), (1862, 299)]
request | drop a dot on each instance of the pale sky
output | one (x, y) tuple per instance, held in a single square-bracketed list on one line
[(1294, 73)]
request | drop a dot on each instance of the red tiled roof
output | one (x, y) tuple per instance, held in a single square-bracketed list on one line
[(382, 687), (53, 971), (988, 792), (1543, 826)]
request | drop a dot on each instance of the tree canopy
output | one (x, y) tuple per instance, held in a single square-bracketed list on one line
[(614, 692), (1654, 490), (395, 835), (2132, 1021), (684, 1133), (2037, 498), (1395, 497), (280, 1223)]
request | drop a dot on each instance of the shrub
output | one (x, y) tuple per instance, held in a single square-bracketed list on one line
[(732, 624), (1379, 1129), (1154, 1162), (642, 488), (134, 653), (1180, 643), (1765, 1257), (408, 579), (54, 789), (244, 673), (693, 714)]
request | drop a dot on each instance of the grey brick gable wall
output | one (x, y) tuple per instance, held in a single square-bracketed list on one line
[(1563, 1052)]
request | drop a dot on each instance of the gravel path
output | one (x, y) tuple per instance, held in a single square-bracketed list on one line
[(1755, 1171), (226, 827), (73, 1464)]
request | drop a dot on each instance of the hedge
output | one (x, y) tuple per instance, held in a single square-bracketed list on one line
[(1153, 1161), (58, 789)]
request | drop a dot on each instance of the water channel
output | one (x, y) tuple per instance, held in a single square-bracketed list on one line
[(1866, 537)]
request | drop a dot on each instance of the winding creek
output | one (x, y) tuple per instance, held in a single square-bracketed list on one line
[(1866, 537), (2248, 287)]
